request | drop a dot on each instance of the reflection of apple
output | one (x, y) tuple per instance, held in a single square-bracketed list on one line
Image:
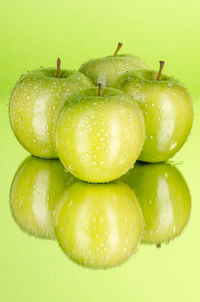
[(99, 225), (167, 110), (35, 103), (35, 191), (99, 137), (106, 70), (164, 198)]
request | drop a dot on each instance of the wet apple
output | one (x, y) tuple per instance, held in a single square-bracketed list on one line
[(100, 134), (35, 103), (167, 110), (106, 70)]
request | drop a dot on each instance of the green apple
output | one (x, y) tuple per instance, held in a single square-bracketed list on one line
[(99, 135), (35, 103), (106, 70), (34, 194), (167, 110), (99, 225), (164, 198)]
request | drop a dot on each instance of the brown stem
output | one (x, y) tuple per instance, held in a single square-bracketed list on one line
[(58, 68), (158, 245), (99, 89), (118, 48), (160, 70)]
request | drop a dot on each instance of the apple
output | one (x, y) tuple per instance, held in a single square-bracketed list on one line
[(34, 194), (35, 103), (99, 225), (167, 110), (106, 70), (99, 134), (164, 198)]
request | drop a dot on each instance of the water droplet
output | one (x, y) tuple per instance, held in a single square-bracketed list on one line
[(70, 203)]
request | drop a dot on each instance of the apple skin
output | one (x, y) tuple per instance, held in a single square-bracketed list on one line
[(35, 103), (99, 225), (167, 110), (106, 70), (99, 138), (164, 198), (36, 188)]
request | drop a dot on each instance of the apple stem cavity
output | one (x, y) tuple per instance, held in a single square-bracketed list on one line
[(118, 48), (158, 245), (99, 89), (160, 70), (58, 68)]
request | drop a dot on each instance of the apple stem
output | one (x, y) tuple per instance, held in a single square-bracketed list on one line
[(99, 89), (160, 70), (158, 245), (118, 48), (58, 68)]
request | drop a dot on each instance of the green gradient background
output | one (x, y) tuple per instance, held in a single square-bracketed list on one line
[(35, 33)]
